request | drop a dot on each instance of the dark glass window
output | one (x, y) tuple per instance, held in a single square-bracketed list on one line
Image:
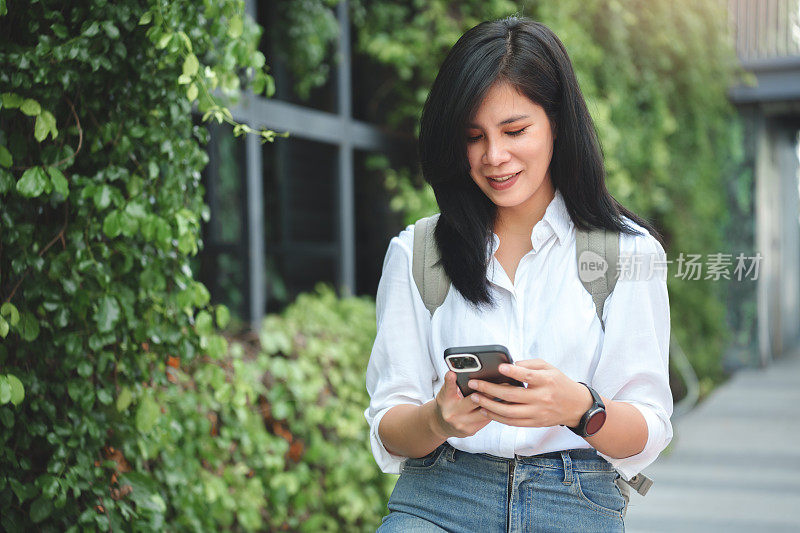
[(301, 217), (376, 223), (223, 260)]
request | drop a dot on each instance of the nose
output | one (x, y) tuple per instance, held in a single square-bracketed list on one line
[(495, 153)]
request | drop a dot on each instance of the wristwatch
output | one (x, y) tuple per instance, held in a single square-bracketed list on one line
[(593, 419)]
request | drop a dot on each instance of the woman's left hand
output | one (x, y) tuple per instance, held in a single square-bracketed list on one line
[(551, 398)]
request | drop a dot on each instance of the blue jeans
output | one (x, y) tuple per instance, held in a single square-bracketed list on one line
[(456, 491)]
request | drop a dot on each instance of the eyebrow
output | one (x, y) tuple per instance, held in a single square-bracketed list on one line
[(506, 121)]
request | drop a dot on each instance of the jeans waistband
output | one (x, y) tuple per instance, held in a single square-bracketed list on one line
[(579, 459)]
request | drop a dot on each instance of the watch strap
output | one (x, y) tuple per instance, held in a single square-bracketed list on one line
[(580, 429)]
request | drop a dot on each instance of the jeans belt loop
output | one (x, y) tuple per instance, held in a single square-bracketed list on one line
[(567, 467), (450, 452)]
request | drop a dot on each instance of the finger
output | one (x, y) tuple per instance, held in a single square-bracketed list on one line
[(510, 410), (504, 391), (509, 421), (534, 364), (454, 385), (449, 380), (453, 390), (521, 373)]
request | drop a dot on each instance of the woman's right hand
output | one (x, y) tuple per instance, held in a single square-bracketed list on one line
[(455, 415)]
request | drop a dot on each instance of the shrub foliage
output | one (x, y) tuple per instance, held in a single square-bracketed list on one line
[(100, 209)]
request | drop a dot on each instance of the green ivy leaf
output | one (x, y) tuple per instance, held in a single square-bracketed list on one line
[(23, 492), (92, 29), (217, 346), (75, 390), (45, 123), (17, 389), (11, 100), (146, 18), (49, 485), (203, 323), (102, 197), (201, 294), (30, 107), (5, 157), (107, 313), (164, 41), (8, 309), (60, 183), (104, 396), (136, 210), (111, 31), (147, 414), (186, 40), (3, 327), (40, 129), (190, 65), (235, 28), (223, 316), (124, 399), (32, 183), (60, 30), (5, 390), (7, 418), (111, 224), (28, 326), (128, 223), (7, 181), (41, 509), (85, 369)]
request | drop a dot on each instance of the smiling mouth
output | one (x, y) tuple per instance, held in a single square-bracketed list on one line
[(506, 178)]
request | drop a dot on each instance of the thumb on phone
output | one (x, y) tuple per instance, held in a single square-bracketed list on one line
[(452, 386)]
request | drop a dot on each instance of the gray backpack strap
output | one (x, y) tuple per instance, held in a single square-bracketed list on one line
[(428, 272), (592, 249)]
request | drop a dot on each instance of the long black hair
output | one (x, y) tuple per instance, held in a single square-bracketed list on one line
[(529, 56)]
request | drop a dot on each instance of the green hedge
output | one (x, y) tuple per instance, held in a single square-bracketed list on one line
[(100, 208)]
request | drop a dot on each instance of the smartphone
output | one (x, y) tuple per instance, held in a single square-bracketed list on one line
[(479, 362)]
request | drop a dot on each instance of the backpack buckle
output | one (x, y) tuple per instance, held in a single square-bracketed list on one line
[(640, 483)]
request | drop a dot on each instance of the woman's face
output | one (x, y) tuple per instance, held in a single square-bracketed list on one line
[(511, 134)]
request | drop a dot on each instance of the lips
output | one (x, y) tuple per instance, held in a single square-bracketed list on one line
[(502, 185), (499, 176)]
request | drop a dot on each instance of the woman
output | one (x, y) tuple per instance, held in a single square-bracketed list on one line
[(509, 148)]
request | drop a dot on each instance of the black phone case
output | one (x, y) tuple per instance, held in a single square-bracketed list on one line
[(490, 356)]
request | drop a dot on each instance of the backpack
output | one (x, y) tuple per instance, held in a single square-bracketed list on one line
[(599, 243)]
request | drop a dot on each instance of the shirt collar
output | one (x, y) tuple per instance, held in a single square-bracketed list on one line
[(556, 217)]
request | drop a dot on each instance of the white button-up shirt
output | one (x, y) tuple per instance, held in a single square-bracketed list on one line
[(545, 313)]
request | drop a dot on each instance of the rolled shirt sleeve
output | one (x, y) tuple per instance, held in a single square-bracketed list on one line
[(400, 369), (634, 361)]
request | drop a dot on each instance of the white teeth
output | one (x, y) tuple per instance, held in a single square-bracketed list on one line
[(505, 178)]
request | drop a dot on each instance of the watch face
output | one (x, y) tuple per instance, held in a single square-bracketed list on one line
[(595, 422)]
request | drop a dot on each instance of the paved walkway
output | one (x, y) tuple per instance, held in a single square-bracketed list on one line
[(734, 461)]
